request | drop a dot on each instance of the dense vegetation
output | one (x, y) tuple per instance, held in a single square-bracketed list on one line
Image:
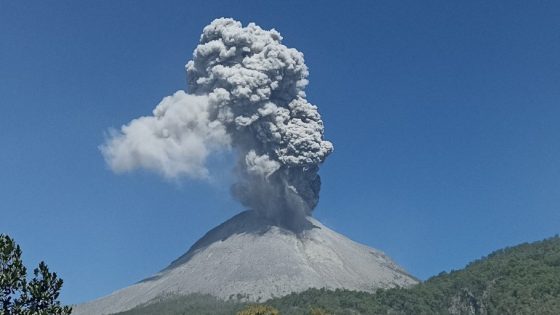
[(524, 279), (200, 304), (18, 296)]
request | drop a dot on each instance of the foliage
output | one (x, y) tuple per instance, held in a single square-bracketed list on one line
[(19, 297), (318, 311), (200, 304), (258, 309), (524, 279)]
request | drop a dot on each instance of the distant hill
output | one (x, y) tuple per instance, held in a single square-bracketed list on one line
[(524, 279)]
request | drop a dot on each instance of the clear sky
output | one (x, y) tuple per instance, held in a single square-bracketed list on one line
[(444, 116)]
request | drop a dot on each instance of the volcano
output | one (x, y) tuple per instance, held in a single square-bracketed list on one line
[(252, 258)]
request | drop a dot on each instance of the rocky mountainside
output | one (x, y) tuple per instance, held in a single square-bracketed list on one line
[(250, 258), (520, 280)]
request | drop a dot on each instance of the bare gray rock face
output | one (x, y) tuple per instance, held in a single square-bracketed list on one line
[(251, 257)]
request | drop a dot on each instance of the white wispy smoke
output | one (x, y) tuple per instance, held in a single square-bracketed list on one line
[(174, 142), (245, 91)]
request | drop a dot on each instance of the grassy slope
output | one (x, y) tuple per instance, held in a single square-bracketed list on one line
[(524, 279)]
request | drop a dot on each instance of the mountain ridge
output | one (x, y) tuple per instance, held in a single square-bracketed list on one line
[(522, 280)]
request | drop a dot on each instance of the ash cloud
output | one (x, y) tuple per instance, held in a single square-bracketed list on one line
[(246, 92), (175, 141)]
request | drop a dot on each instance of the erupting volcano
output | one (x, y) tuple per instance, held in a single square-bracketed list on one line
[(246, 94)]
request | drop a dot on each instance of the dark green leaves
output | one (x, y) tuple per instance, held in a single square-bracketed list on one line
[(19, 297)]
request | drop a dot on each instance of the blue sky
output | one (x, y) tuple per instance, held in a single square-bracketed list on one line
[(444, 116)]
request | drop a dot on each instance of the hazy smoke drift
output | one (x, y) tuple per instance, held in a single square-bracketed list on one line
[(245, 92)]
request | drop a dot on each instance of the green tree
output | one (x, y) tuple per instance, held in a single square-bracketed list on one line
[(318, 311), (258, 310), (20, 297)]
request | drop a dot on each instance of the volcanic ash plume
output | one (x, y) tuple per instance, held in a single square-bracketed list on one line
[(246, 94)]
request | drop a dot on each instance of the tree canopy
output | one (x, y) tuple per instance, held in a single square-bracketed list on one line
[(18, 296)]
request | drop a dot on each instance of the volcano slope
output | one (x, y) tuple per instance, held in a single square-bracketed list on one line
[(250, 258)]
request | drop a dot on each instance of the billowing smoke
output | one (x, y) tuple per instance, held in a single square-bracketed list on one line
[(245, 93)]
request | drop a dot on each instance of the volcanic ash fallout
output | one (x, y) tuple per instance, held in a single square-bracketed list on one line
[(245, 93)]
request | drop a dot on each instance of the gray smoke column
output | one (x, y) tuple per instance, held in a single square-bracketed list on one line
[(245, 93)]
